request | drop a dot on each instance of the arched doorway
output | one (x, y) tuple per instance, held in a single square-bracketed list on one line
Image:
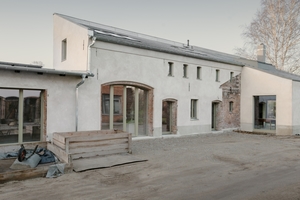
[(127, 106)]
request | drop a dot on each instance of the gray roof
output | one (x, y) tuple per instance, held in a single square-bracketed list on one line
[(138, 40), (128, 38), (40, 70), (268, 68)]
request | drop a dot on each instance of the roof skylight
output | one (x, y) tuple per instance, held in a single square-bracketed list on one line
[(115, 35)]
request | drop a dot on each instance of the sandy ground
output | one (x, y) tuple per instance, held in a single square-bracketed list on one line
[(213, 166)]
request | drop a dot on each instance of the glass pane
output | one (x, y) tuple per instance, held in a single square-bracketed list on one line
[(265, 112), (130, 101), (32, 115), (9, 110), (142, 112), (118, 107)]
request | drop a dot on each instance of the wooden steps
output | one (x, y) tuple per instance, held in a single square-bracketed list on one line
[(68, 146)]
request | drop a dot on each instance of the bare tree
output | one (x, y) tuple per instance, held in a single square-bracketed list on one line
[(277, 26)]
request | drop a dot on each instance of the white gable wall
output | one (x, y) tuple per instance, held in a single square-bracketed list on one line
[(77, 44), (256, 83)]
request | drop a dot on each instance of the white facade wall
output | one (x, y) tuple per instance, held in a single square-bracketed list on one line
[(121, 63), (60, 99), (256, 83)]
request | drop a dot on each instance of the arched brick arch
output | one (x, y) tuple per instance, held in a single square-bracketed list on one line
[(149, 89)]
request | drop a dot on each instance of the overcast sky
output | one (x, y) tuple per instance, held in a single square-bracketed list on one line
[(27, 26)]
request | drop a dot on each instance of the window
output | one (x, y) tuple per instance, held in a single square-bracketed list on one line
[(199, 73), (20, 115), (217, 75), (185, 71), (230, 106), (170, 69), (64, 50), (231, 76), (194, 109), (106, 105), (265, 112)]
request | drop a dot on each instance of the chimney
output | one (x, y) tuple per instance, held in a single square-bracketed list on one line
[(261, 53)]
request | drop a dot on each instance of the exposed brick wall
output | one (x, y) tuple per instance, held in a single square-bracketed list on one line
[(230, 93)]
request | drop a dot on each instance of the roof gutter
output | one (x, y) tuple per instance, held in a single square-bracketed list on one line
[(76, 102), (42, 70)]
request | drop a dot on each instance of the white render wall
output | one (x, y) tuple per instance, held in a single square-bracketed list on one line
[(77, 45), (296, 107), (60, 99), (256, 83), (113, 62)]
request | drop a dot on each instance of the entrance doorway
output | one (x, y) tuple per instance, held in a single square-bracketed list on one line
[(214, 116), (169, 116)]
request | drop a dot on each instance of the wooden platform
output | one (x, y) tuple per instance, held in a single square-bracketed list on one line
[(70, 146), (7, 174)]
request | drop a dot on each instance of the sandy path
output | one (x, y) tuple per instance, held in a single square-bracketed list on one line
[(225, 166)]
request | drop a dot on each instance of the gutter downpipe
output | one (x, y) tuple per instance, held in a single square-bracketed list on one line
[(90, 52), (82, 81), (76, 101)]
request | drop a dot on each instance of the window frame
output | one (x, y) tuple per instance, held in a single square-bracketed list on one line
[(199, 74), (171, 69), (231, 106), (231, 75), (217, 75), (64, 49), (22, 110), (193, 109), (185, 71), (105, 99)]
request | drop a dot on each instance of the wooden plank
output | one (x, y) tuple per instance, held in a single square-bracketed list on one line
[(23, 174), (99, 148), (129, 143), (58, 143), (92, 143), (99, 137), (61, 154), (67, 145), (98, 153), (89, 133), (104, 161), (59, 137)]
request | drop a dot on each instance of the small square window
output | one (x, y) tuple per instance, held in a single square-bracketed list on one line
[(199, 73), (185, 71), (170, 69), (194, 108), (217, 75), (64, 50)]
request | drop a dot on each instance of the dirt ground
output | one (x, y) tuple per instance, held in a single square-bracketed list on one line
[(211, 166)]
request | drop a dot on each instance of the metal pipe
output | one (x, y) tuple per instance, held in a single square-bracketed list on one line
[(76, 102), (90, 52)]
